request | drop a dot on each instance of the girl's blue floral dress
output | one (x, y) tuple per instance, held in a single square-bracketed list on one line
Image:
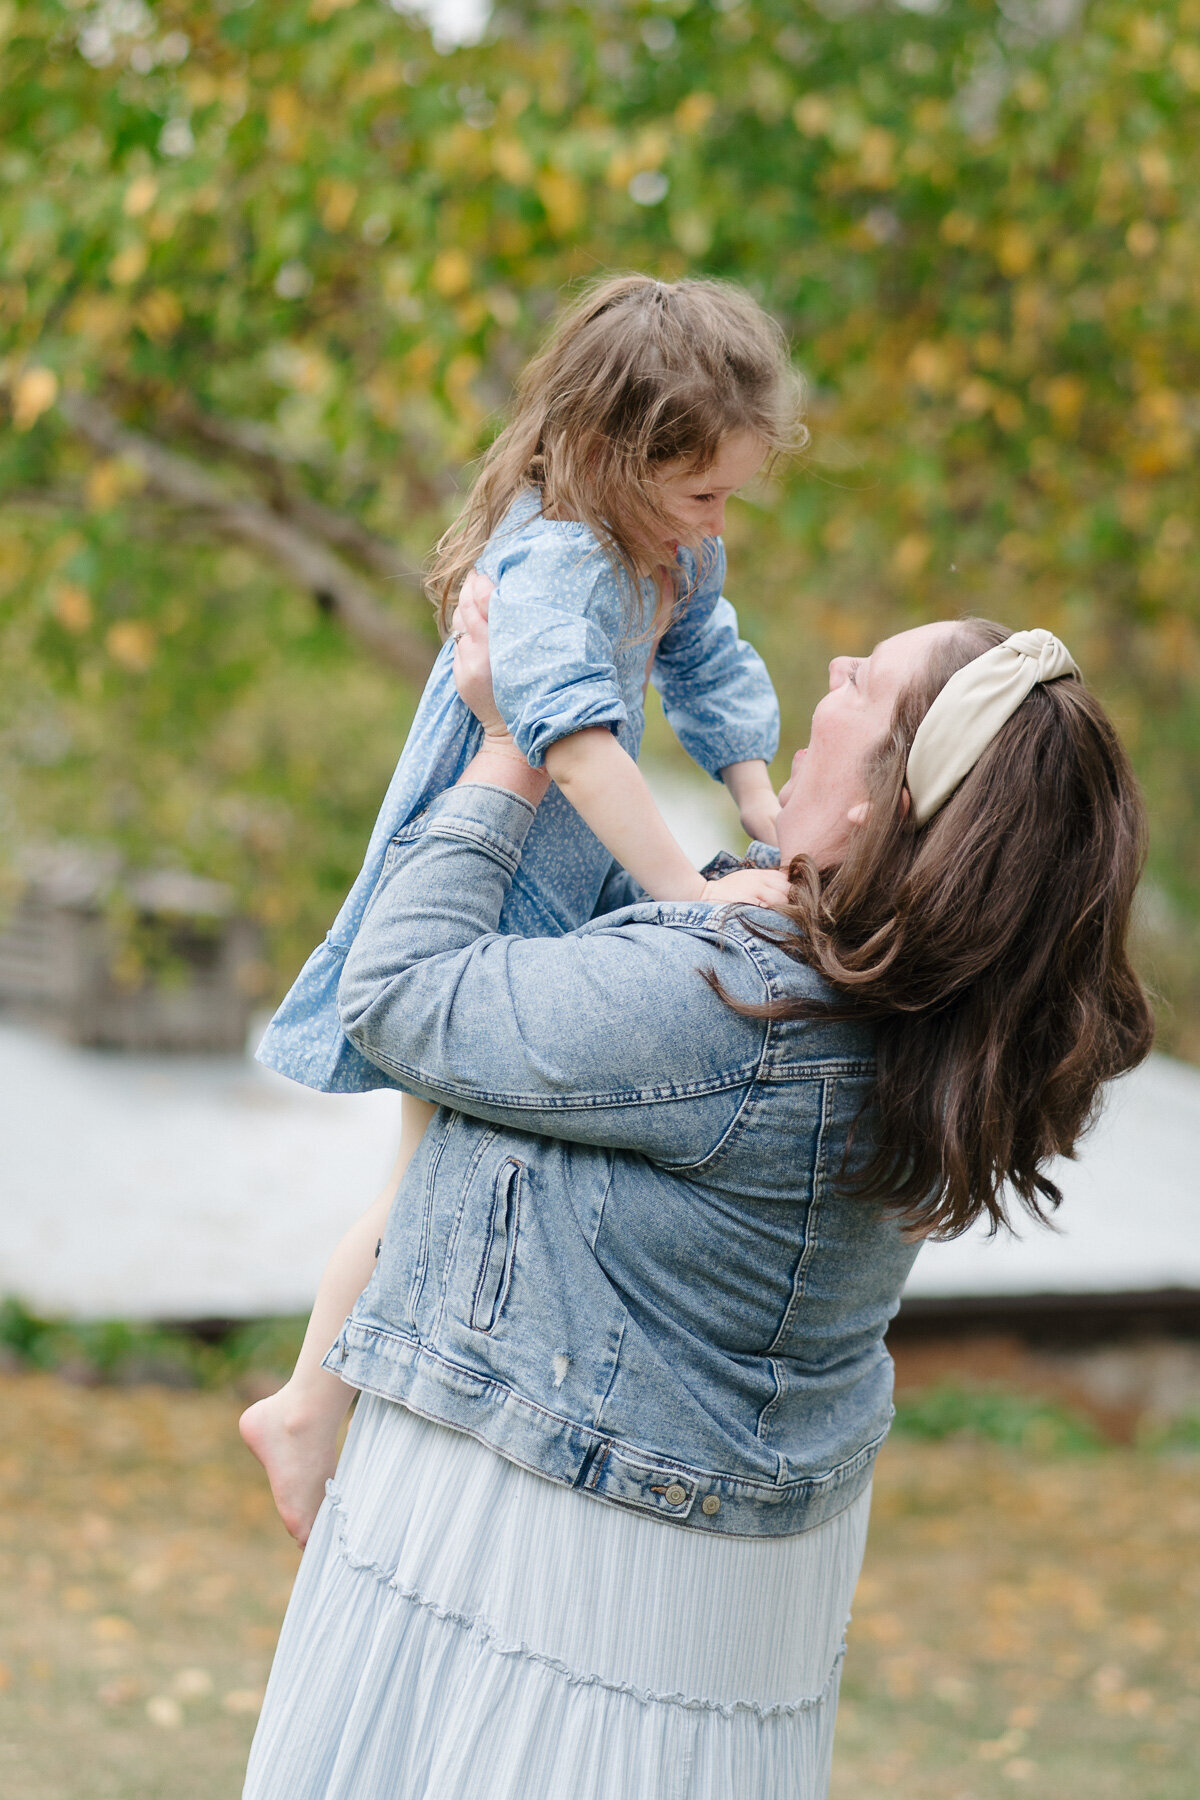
[(564, 657)]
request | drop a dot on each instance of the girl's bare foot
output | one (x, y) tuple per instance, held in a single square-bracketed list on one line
[(299, 1453)]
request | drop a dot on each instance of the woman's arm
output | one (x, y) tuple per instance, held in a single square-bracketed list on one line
[(609, 1035)]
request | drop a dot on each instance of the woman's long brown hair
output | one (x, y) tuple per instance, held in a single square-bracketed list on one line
[(989, 949), (637, 373)]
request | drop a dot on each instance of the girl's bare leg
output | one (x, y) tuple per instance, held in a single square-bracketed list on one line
[(294, 1433)]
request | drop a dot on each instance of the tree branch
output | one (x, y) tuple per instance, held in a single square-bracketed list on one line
[(264, 449), (305, 559)]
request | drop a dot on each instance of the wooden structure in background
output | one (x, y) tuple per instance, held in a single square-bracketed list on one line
[(130, 962)]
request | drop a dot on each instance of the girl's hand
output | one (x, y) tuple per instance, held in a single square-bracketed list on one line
[(758, 806), (758, 820), (472, 662), (749, 887)]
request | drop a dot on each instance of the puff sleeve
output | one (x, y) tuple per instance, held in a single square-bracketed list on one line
[(553, 621), (715, 690)]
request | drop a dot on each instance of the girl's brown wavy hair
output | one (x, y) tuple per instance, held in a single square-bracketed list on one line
[(989, 949), (636, 373)]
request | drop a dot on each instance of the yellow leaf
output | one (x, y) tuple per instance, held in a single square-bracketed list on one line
[(957, 228), (460, 372), (421, 360), (1141, 240), (201, 86), (159, 314), (1017, 549), (812, 114), (1031, 92), (131, 643), (875, 157), (34, 392), (140, 196), (504, 306), (563, 198), (165, 1712), (1008, 412), (911, 554), (384, 74), (1155, 166), (1160, 406), (930, 367), (1015, 250), (128, 265), (694, 111), (1065, 396), (111, 479), (975, 396), (470, 314), (1185, 60), (242, 1700), (512, 161), (285, 117), (1148, 38), (692, 232), (73, 606), (623, 166), (336, 199), (451, 273), (111, 1628)]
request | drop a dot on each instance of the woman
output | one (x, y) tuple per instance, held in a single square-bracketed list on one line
[(650, 1245)]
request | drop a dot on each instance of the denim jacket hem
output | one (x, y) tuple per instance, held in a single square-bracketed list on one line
[(384, 1361)]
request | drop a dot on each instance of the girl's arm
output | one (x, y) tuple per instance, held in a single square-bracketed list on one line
[(609, 792), (749, 785)]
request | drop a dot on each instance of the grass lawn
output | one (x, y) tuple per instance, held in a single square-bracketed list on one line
[(1028, 1621)]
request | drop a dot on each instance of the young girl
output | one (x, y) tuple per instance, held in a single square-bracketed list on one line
[(597, 516)]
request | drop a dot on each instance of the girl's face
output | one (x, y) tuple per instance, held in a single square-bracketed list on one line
[(697, 501), (828, 779)]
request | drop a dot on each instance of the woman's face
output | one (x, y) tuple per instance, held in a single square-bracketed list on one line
[(828, 779)]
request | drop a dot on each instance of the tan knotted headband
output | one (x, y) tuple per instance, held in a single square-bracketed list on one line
[(971, 708)]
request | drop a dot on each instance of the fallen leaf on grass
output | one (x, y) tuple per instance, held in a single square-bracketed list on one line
[(243, 1700)]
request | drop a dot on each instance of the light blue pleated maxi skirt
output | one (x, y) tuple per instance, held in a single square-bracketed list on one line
[(461, 1627)]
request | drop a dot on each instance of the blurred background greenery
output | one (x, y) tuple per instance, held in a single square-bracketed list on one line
[(267, 271)]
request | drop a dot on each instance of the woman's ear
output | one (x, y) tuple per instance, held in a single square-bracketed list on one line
[(858, 815)]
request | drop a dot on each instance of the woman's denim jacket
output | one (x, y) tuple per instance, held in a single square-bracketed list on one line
[(620, 1256)]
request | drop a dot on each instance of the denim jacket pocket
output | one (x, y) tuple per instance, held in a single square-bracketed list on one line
[(500, 1245)]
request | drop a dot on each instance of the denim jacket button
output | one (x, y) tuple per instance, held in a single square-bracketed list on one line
[(710, 1505), (675, 1495)]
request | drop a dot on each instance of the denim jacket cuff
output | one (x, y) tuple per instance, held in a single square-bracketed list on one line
[(493, 818)]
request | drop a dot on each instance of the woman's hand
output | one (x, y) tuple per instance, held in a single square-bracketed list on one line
[(497, 762), (472, 660)]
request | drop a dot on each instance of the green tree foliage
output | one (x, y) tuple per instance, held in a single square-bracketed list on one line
[(266, 273)]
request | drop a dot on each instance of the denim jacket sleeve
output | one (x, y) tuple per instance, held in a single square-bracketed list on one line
[(715, 690), (552, 623), (609, 1035)]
